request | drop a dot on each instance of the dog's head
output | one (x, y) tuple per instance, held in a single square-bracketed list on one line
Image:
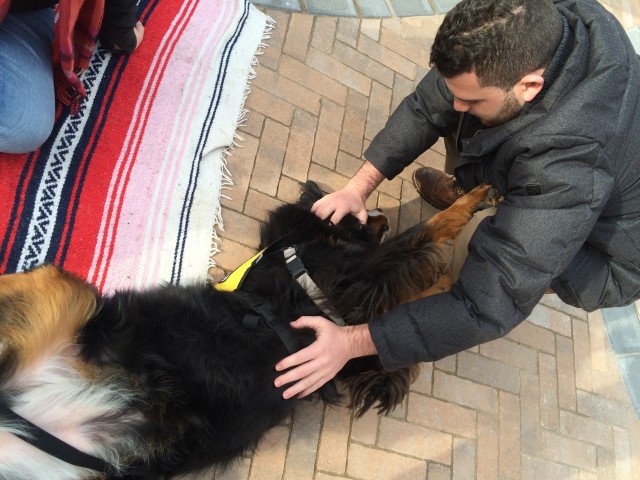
[(359, 276), (296, 224)]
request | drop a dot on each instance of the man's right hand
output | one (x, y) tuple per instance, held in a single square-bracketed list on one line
[(351, 199), (337, 205)]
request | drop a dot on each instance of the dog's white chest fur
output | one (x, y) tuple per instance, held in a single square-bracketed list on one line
[(57, 397)]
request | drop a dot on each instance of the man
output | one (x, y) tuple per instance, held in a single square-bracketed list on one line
[(542, 101)]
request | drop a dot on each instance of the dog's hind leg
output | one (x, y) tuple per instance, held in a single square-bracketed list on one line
[(446, 224), (41, 312), (382, 389), (42, 379), (443, 284)]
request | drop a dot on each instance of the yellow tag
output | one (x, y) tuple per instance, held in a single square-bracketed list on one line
[(233, 280)]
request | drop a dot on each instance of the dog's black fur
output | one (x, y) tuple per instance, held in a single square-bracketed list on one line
[(197, 383)]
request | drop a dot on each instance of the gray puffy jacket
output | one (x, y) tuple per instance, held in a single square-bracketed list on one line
[(569, 170)]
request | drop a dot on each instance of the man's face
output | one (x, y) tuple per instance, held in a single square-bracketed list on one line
[(492, 105)]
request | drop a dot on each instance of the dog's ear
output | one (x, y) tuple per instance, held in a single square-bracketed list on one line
[(310, 194)]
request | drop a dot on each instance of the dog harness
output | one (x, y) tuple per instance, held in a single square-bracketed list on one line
[(233, 281), (261, 308), (301, 275)]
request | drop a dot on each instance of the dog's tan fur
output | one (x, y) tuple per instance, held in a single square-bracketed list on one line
[(41, 312)]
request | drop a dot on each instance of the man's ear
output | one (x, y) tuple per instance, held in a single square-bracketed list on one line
[(530, 85)]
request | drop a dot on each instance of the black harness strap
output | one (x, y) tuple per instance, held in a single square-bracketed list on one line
[(261, 310), (54, 446)]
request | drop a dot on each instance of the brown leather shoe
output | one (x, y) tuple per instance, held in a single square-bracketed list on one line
[(436, 187)]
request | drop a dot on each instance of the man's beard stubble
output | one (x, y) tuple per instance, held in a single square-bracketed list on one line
[(510, 110)]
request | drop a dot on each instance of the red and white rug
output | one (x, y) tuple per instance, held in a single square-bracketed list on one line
[(126, 193)]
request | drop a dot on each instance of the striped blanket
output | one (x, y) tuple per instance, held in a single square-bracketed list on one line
[(126, 192)]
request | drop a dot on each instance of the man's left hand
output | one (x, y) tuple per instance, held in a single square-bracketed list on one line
[(318, 363)]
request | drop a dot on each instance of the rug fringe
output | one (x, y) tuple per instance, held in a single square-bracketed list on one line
[(227, 180)]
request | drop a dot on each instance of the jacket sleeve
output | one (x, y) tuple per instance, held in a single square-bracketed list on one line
[(414, 126), (117, 25), (513, 257)]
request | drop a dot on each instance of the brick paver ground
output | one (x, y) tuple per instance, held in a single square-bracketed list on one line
[(546, 402)]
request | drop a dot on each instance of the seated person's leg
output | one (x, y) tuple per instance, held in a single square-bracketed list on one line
[(27, 102)]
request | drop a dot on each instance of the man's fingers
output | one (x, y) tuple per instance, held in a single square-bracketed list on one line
[(313, 388), (338, 204), (307, 353), (305, 387), (323, 212), (362, 216), (321, 208), (307, 322), (303, 376), (337, 216), (294, 390), (301, 370), (314, 364), (297, 358)]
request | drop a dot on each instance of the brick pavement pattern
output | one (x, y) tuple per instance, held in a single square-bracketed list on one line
[(545, 402)]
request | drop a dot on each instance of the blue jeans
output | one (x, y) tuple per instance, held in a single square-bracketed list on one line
[(27, 99)]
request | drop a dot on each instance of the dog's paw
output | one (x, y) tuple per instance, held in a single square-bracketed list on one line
[(485, 196)]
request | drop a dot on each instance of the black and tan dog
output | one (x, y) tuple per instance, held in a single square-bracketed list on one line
[(175, 379)]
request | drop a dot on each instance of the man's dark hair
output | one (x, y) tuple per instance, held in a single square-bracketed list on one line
[(499, 40)]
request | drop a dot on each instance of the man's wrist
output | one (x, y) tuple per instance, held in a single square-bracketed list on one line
[(359, 341), (366, 180)]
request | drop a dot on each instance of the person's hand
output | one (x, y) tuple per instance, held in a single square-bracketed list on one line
[(318, 363), (339, 204), (138, 31), (351, 199)]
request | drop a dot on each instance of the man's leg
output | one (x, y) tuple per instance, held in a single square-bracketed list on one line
[(460, 244), (593, 280), (452, 155), (27, 99)]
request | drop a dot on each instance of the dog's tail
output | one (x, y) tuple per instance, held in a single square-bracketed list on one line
[(380, 388)]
